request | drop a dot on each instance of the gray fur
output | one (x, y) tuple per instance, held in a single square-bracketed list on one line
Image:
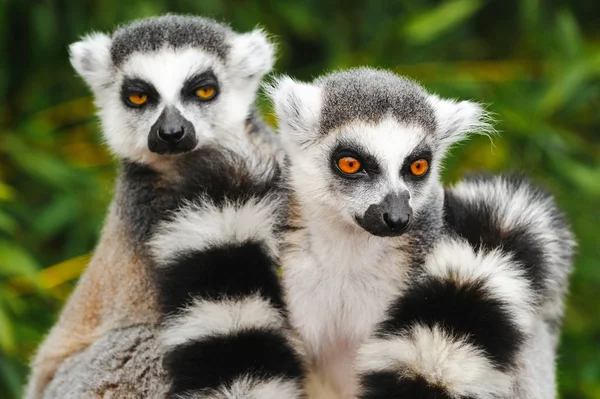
[(176, 31), (370, 94), (124, 363)]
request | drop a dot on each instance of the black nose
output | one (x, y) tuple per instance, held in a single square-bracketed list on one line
[(171, 134), (397, 222), (390, 217)]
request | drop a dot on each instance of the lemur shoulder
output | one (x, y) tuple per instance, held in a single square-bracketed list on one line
[(165, 89), (397, 287)]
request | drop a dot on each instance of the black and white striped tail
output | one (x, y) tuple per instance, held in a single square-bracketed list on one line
[(455, 332), (511, 214), (226, 332), (463, 325)]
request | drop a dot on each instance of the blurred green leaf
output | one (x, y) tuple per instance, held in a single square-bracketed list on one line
[(568, 34), (7, 223), (429, 25), (566, 85), (10, 375), (57, 215), (15, 261), (6, 192), (7, 335)]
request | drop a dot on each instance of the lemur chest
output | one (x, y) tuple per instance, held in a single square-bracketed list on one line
[(335, 302)]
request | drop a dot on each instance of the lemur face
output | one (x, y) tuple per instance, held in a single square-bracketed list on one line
[(367, 145), (170, 84), (380, 175)]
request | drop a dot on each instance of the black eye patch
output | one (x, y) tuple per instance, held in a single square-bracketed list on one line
[(197, 81), (133, 85), (420, 152), (348, 149)]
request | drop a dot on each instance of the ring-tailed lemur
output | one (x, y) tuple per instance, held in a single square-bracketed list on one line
[(397, 288), (170, 90)]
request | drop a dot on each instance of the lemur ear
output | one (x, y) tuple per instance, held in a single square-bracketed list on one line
[(92, 60), (456, 119), (252, 54), (297, 106)]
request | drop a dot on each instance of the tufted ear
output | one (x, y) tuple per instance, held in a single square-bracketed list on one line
[(91, 59), (298, 108), (456, 119), (252, 54)]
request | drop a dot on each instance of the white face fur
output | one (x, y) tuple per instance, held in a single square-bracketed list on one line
[(170, 77), (384, 197)]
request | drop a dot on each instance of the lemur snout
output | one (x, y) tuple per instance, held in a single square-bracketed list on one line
[(172, 133), (390, 217)]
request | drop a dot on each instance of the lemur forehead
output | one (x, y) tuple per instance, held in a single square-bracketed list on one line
[(371, 95), (174, 31)]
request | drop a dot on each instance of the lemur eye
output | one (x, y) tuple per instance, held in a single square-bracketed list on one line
[(137, 99), (349, 165), (419, 167), (206, 92)]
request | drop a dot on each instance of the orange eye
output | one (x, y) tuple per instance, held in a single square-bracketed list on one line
[(206, 92), (137, 98), (349, 165), (418, 168)]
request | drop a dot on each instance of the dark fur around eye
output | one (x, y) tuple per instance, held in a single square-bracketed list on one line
[(421, 152), (369, 164), (195, 82), (132, 85)]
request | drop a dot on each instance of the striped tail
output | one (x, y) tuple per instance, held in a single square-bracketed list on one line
[(226, 332), (510, 213), (455, 333)]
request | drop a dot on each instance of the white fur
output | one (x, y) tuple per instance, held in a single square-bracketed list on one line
[(196, 227), (339, 284), (537, 366), (91, 59), (455, 119), (438, 357), (208, 318), (253, 54), (503, 278), (247, 387), (298, 107)]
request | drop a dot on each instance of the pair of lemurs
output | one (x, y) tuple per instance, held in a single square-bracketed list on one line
[(392, 285)]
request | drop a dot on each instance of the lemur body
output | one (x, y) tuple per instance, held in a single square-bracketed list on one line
[(397, 288), (175, 99)]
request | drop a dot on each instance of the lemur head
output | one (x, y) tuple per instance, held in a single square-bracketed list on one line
[(167, 85), (367, 145)]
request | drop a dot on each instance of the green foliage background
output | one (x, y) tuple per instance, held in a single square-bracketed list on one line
[(537, 63)]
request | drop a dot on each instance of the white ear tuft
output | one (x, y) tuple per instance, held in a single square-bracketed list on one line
[(252, 54), (91, 59), (298, 107), (455, 120)]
